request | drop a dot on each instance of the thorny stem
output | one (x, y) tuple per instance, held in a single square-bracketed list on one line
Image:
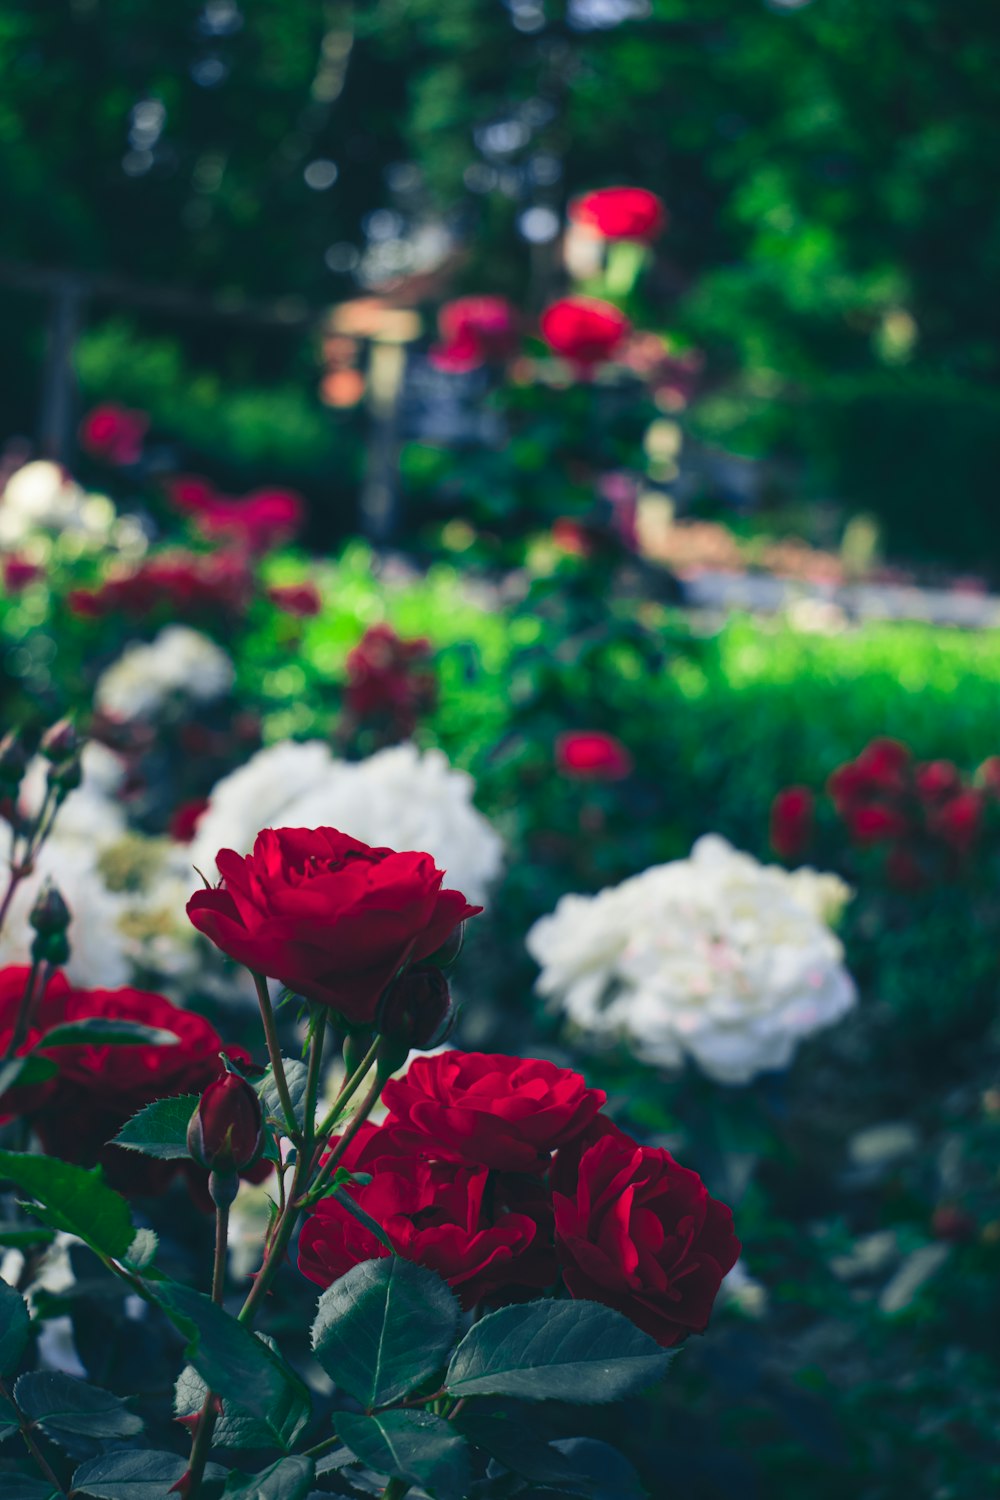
[(349, 1089), (274, 1053), (330, 1165), (16, 875), (221, 1244), (24, 1427), (205, 1426), (312, 1076)]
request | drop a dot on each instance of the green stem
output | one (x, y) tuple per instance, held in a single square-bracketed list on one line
[(395, 1489), (318, 1037), (274, 1053), (221, 1245), (24, 1427), (330, 1165), (16, 875), (20, 1030), (321, 1448), (349, 1089)]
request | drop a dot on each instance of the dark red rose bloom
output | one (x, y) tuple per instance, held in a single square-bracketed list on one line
[(875, 823), (327, 915), (24, 1099), (640, 1233), (101, 1086), (258, 521), (792, 822), (621, 213), (179, 584), (486, 1109), (300, 599), (114, 434), (458, 1220), (388, 680), (185, 819), (880, 770), (584, 330), (958, 821), (18, 572), (590, 755), (936, 780), (475, 331)]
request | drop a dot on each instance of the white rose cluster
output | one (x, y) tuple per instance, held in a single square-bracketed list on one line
[(716, 958), (41, 497), (178, 663), (399, 798)]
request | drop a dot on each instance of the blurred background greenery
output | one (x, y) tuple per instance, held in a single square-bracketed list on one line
[(187, 188)]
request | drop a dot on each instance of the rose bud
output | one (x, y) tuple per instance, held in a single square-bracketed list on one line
[(416, 1011), (65, 775), (226, 1132), (50, 914), (13, 761), (60, 741)]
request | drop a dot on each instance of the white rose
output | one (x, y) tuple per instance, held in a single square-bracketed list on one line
[(178, 662)]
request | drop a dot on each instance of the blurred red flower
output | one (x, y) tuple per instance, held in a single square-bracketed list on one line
[(475, 331), (296, 598), (114, 434), (584, 330), (593, 756), (792, 814), (621, 213)]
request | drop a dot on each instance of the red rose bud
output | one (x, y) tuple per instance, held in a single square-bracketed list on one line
[(416, 1011), (792, 822), (60, 741), (226, 1133)]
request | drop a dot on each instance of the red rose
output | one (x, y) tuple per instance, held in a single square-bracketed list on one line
[(592, 755), (185, 819), (101, 1086), (24, 1099), (957, 823), (260, 521), (18, 572), (640, 1233), (792, 822), (875, 823), (387, 679), (621, 213), (584, 330), (937, 779), (475, 331), (114, 434), (485, 1109), (300, 599), (487, 1237), (327, 915), (226, 1129)]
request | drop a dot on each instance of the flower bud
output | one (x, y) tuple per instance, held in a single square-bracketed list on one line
[(356, 1046), (226, 1131), (65, 775), (13, 761), (417, 1011), (50, 948), (50, 916), (60, 741)]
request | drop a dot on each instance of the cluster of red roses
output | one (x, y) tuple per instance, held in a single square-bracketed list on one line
[(97, 1087), (178, 583), (257, 522), (389, 684), (501, 1175), (114, 434), (927, 816)]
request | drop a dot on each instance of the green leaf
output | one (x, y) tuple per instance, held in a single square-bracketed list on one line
[(506, 1430), (237, 1364), (160, 1129), (413, 1446), (130, 1475), (296, 1074), (18, 1236), (342, 1458), (602, 1473), (236, 1427), (357, 1212), (556, 1351), (74, 1199), (26, 1070), (26, 1487), (288, 1479), (384, 1328), (64, 1407), (142, 1250), (101, 1031), (15, 1328)]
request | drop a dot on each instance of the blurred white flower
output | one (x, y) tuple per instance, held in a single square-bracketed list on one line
[(715, 957), (180, 662), (42, 497), (86, 823), (400, 798)]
